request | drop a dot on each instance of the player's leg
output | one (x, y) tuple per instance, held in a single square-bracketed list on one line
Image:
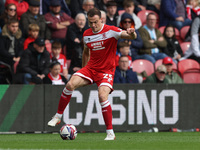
[(106, 111), (74, 82)]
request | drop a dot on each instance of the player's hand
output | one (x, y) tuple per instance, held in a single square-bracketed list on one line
[(130, 31)]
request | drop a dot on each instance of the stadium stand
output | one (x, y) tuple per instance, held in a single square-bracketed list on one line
[(184, 30), (192, 77), (184, 46)]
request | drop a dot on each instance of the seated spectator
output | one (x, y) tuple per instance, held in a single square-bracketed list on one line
[(74, 44), (11, 43), (22, 6), (58, 21), (56, 54), (124, 50), (111, 15), (54, 76), (34, 63), (103, 16), (128, 22), (154, 5), (173, 48), (172, 76), (129, 8), (194, 50), (33, 32), (158, 77), (173, 12), (193, 9), (9, 13), (123, 74), (153, 40), (32, 16), (44, 7)]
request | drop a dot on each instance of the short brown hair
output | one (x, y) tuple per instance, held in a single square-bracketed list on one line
[(94, 11), (56, 44), (12, 20), (33, 27), (128, 3)]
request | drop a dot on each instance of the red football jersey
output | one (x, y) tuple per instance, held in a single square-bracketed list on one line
[(62, 60), (103, 46)]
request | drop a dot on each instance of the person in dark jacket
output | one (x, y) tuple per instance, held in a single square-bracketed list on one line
[(123, 74), (158, 77), (173, 48), (34, 63), (11, 43)]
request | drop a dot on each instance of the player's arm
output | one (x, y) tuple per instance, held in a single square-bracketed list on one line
[(86, 56), (129, 34)]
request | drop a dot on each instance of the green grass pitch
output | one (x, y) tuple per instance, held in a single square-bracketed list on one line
[(95, 141)]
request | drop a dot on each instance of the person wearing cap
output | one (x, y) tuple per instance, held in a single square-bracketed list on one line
[(34, 63), (58, 21), (32, 16), (111, 15), (158, 77), (22, 6), (129, 8), (128, 22), (172, 76)]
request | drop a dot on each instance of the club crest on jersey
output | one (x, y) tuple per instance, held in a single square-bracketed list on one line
[(104, 35)]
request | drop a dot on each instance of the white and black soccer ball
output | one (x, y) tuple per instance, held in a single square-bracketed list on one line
[(68, 132)]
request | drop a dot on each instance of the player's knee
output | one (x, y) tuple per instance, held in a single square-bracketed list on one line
[(70, 86), (102, 97)]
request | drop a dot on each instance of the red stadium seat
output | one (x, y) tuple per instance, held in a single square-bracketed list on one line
[(184, 30), (159, 62), (191, 77), (143, 15), (184, 46), (141, 65), (188, 65)]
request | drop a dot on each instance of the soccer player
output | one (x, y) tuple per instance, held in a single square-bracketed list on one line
[(99, 54)]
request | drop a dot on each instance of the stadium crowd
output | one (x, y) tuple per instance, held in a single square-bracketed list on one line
[(41, 40)]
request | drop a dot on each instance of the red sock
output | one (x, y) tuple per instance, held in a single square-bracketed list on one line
[(107, 114), (64, 100)]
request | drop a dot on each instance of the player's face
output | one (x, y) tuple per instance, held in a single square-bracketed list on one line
[(95, 23), (55, 70)]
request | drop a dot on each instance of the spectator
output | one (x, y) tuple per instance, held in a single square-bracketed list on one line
[(56, 54), (123, 74), (194, 50), (44, 7), (129, 8), (11, 43), (22, 6), (154, 5), (173, 12), (34, 63), (32, 16), (158, 77), (127, 22), (10, 12), (172, 76), (2, 8), (103, 16), (124, 50), (173, 48), (101, 4), (193, 9), (54, 76), (58, 21), (74, 44), (33, 32), (111, 15), (153, 40)]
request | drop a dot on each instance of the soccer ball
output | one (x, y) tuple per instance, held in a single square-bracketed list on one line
[(68, 132)]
